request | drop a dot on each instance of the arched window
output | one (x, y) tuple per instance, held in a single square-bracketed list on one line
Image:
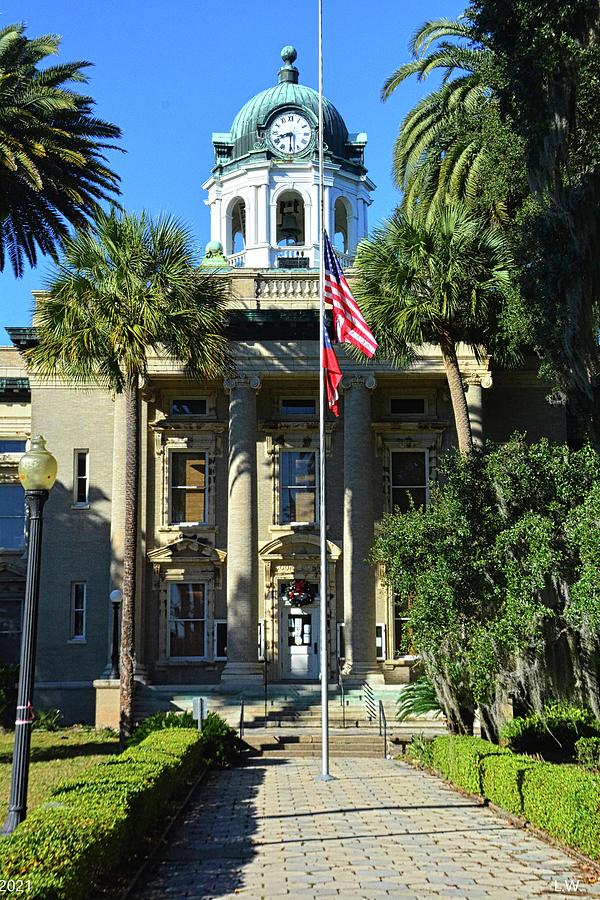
[(290, 219), (340, 225), (238, 227)]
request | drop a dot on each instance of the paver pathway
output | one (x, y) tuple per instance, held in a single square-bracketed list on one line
[(381, 829)]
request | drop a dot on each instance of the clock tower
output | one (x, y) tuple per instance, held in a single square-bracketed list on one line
[(263, 193)]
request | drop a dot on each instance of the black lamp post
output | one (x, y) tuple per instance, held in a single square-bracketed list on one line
[(115, 598), (37, 472)]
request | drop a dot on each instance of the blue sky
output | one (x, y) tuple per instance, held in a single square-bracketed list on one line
[(171, 74)]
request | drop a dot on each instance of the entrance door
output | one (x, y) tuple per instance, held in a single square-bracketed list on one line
[(300, 639)]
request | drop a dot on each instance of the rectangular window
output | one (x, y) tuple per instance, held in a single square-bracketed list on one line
[(12, 517), (187, 620), (188, 487), (81, 478), (298, 486), (261, 639), (78, 610), (12, 445), (10, 630), (340, 642), (189, 406), (402, 637), (380, 641), (408, 406), (409, 478), (298, 406), (220, 639)]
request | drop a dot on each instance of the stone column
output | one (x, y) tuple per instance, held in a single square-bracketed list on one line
[(242, 534), (359, 577), (475, 384)]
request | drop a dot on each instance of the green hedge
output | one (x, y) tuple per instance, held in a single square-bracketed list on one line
[(552, 734), (587, 752), (94, 821), (563, 800), (459, 760)]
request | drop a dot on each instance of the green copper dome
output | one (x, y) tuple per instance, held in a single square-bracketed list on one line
[(255, 114)]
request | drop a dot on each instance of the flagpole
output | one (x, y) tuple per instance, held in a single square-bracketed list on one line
[(323, 643)]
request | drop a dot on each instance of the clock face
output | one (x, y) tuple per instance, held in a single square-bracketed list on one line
[(290, 133)]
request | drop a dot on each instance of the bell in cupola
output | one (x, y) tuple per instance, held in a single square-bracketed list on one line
[(290, 222)]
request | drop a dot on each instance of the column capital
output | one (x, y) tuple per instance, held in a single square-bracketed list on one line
[(367, 381), (479, 379), (251, 381)]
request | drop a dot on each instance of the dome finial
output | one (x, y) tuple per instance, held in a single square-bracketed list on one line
[(288, 71)]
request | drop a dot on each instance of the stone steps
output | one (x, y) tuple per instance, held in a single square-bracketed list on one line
[(309, 745)]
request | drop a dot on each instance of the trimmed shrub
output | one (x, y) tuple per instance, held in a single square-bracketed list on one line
[(502, 780), (565, 802), (587, 753), (553, 733), (459, 759), (94, 821)]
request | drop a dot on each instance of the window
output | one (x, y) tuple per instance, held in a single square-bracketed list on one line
[(189, 406), (78, 610), (298, 406), (12, 445), (408, 406), (81, 478), (187, 620), (402, 636), (220, 639), (10, 630), (12, 517), (341, 642), (380, 641), (298, 486), (261, 639), (188, 487), (409, 478)]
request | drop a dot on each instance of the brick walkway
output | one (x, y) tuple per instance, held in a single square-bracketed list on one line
[(381, 829)]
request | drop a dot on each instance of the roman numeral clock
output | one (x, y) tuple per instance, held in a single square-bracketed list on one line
[(289, 133)]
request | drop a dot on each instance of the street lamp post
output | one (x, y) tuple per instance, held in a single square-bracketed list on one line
[(37, 472), (115, 597)]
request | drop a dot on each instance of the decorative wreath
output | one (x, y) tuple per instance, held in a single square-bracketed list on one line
[(300, 593)]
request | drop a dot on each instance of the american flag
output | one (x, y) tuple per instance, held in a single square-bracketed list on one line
[(333, 374), (348, 321)]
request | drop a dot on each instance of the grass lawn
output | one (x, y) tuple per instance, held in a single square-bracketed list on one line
[(55, 755)]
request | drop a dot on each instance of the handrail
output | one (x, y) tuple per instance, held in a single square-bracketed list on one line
[(341, 687), (241, 718), (383, 724), (370, 706)]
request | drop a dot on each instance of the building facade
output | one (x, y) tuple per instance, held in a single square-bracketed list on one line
[(228, 562)]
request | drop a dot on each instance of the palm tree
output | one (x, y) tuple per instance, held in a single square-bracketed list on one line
[(437, 282), (443, 147), (126, 289), (53, 172)]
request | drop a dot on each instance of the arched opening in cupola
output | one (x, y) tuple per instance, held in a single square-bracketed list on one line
[(290, 219), (340, 225), (238, 227)]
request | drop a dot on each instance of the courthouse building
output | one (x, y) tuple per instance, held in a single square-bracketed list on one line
[(228, 567)]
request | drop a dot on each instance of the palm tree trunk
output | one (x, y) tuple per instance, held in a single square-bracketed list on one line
[(132, 432), (457, 394)]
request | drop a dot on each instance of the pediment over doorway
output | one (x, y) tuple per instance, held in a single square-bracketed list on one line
[(187, 550), (297, 546)]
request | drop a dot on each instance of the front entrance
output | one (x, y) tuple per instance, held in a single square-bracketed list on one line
[(300, 642)]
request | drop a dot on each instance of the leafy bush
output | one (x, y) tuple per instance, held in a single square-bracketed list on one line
[(554, 732), (47, 720), (9, 675), (563, 800), (420, 751), (95, 820), (416, 699), (459, 760), (161, 720), (587, 752)]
